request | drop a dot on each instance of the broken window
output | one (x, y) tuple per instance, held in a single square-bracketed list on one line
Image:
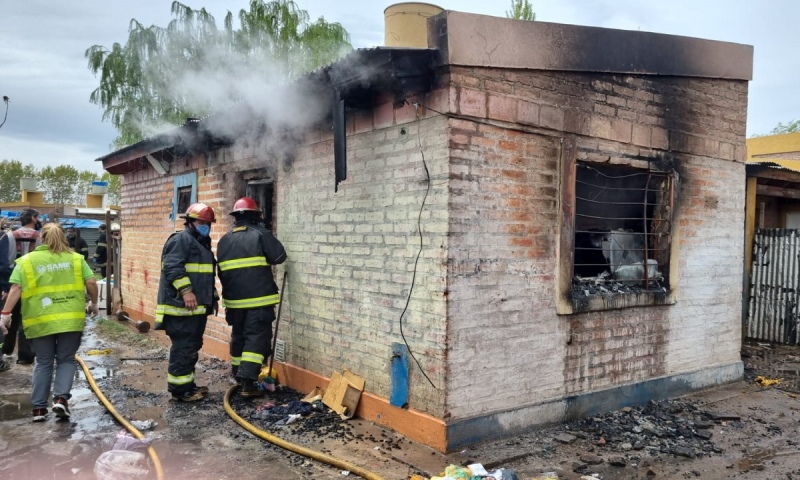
[(622, 233)]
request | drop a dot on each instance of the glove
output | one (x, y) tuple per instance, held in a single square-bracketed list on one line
[(5, 321), (94, 260), (93, 310)]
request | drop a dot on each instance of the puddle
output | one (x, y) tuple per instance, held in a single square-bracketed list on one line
[(15, 406)]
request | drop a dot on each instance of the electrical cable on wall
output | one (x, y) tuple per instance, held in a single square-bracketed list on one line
[(419, 252), (5, 100)]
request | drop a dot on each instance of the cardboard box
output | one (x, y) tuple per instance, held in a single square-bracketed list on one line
[(343, 393)]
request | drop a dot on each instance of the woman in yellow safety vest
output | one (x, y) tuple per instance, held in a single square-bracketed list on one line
[(50, 281)]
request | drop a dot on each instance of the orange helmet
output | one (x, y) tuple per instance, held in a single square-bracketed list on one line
[(245, 204), (200, 211)]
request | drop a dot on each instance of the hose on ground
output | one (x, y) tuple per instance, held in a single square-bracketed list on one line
[(136, 433), (306, 452)]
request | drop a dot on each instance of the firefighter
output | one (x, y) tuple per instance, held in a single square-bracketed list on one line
[(99, 258), (83, 247), (249, 292), (186, 296)]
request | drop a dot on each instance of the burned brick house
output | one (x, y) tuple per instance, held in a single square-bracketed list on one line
[(549, 217)]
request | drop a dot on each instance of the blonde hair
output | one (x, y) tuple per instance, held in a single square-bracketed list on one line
[(55, 239)]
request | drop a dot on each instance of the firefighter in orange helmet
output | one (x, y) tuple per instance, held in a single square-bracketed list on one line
[(186, 296), (249, 292)]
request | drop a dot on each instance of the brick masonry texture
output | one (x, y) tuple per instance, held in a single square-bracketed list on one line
[(506, 346), (482, 318)]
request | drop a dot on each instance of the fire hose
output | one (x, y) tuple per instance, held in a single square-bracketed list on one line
[(306, 452), (136, 433)]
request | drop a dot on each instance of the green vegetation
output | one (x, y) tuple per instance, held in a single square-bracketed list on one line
[(521, 10), (63, 185), (143, 83)]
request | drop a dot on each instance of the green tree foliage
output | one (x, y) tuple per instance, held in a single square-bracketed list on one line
[(275, 41), (11, 171), (61, 185), (521, 10), (791, 126), (114, 188)]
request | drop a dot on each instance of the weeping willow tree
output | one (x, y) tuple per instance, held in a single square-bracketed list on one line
[(521, 10), (140, 82)]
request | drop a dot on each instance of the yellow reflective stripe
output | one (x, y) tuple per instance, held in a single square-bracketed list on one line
[(199, 267), (236, 361), (100, 244), (252, 357), (32, 289), (181, 282), (243, 263), (31, 321), (251, 302), (180, 380), (162, 310)]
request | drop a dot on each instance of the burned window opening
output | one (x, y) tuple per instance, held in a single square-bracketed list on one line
[(184, 198), (623, 224)]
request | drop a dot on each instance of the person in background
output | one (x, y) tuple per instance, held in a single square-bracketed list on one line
[(186, 296), (53, 280), (26, 238), (100, 251), (249, 293), (8, 254), (72, 237)]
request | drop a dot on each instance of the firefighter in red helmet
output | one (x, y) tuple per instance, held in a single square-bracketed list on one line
[(249, 293), (186, 296)]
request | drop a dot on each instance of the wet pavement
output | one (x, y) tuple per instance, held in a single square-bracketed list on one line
[(741, 430)]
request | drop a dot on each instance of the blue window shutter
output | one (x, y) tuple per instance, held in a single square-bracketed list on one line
[(185, 180)]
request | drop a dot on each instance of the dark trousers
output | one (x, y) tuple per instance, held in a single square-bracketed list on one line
[(25, 352), (186, 334), (251, 339), (103, 271)]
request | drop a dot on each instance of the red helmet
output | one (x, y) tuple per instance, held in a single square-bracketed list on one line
[(200, 211), (245, 204)]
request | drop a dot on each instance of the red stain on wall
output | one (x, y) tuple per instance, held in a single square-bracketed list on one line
[(146, 275), (129, 272), (141, 305)]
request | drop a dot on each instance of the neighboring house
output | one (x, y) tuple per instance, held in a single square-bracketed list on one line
[(772, 239), (566, 202)]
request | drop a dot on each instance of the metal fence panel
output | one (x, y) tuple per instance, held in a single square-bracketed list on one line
[(773, 311)]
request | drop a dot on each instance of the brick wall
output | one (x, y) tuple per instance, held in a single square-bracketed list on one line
[(352, 253), (507, 347)]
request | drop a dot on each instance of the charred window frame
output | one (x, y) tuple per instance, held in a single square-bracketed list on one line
[(616, 237)]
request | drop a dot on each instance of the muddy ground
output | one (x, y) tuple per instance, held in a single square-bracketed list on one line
[(740, 430)]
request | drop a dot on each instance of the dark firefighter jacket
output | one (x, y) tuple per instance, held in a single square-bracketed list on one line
[(245, 255), (185, 263), (100, 250), (84, 250)]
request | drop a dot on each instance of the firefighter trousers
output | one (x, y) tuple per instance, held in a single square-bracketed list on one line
[(251, 339), (186, 334)]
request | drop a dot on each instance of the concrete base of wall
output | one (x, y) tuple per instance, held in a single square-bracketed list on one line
[(443, 437), (503, 424)]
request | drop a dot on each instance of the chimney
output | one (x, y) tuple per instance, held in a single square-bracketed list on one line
[(406, 24)]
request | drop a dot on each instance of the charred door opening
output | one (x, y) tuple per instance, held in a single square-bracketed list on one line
[(623, 224)]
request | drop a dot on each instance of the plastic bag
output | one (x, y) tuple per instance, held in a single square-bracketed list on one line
[(125, 441), (120, 465)]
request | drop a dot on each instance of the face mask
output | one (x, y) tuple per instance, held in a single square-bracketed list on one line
[(70, 236), (203, 230)]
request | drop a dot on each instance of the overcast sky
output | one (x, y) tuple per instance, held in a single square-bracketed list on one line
[(51, 122)]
